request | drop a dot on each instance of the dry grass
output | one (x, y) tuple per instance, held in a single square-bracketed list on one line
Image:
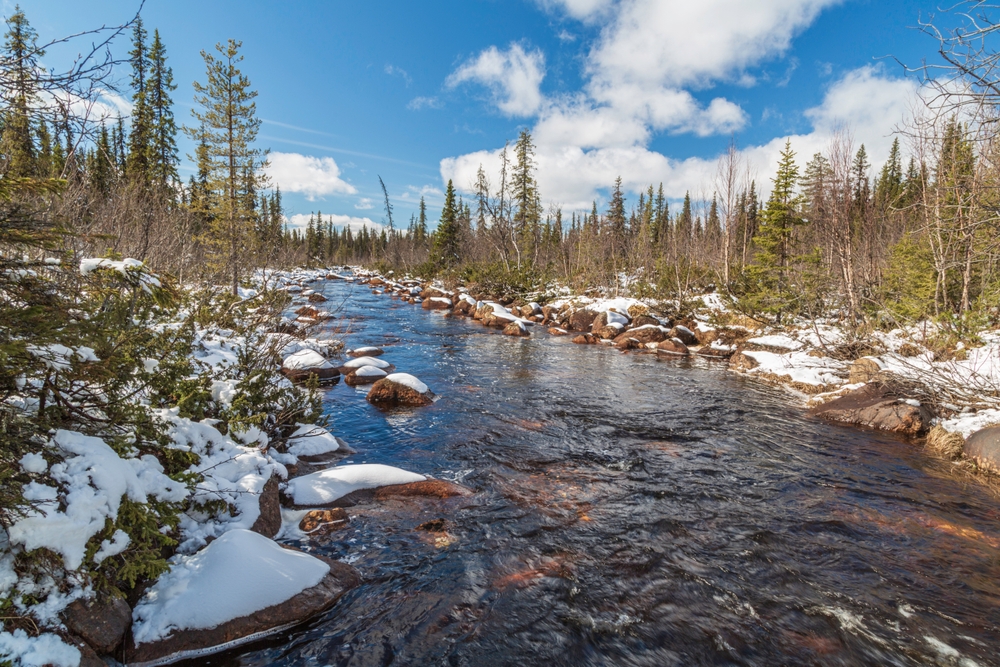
[(945, 443)]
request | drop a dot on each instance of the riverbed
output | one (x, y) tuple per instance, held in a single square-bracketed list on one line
[(634, 509)]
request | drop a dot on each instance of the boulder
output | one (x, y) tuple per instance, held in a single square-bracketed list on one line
[(684, 335), (864, 370), (608, 332), (362, 362), (742, 362), (324, 521), (877, 408), (360, 377), (624, 342), (269, 522), (189, 644), (581, 320), (436, 303), (706, 337), (586, 339), (556, 331), (644, 320), (316, 297), (672, 346), (716, 351), (516, 329), (433, 292), (430, 488), (400, 389), (550, 313), (304, 363), (100, 623), (638, 309), (983, 447), (88, 656), (307, 311), (366, 352), (649, 333), (609, 317)]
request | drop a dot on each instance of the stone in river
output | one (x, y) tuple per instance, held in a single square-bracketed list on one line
[(581, 320), (400, 389), (515, 329), (324, 521), (366, 352), (365, 375), (983, 447), (877, 408), (672, 346)]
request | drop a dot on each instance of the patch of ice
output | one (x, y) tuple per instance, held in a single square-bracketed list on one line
[(328, 486), (211, 587)]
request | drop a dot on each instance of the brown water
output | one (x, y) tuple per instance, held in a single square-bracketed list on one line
[(636, 510)]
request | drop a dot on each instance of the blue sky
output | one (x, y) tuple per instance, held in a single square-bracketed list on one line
[(417, 93)]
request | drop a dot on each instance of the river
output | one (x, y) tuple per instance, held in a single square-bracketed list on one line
[(637, 510)]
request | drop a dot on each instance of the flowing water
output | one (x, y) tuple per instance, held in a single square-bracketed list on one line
[(637, 510)]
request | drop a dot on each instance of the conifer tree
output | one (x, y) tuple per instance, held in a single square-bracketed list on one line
[(616, 218), (446, 237), (137, 165), (163, 140), (228, 125), (21, 54)]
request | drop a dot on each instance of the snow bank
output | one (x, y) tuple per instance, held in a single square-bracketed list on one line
[(778, 341), (309, 440), (45, 649), (408, 380), (798, 367), (236, 575), (969, 423), (328, 486)]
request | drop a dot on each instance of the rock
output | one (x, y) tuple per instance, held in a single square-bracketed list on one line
[(465, 307), (307, 311), (433, 292), (706, 337), (430, 488), (388, 392), (864, 370), (556, 331), (624, 342), (360, 377), (88, 657), (586, 339), (515, 329), (877, 408), (550, 313), (316, 297), (366, 362), (683, 334), (101, 624), (324, 521), (716, 352), (672, 346), (983, 447), (638, 310), (436, 303), (644, 334), (910, 350), (643, 320), (742, 362), (609, 317), (182, 644), (269, 522), (609, 332), (299, 366), (581, 320), (366, 352)]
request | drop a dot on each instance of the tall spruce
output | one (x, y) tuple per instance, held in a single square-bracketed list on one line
[(20, 90), (137, 165), (163, 139), (446, 237)]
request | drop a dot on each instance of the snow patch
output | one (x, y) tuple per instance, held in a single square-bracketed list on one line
[(330, 485)]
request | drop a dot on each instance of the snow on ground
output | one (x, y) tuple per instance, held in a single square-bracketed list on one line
[(44, 650), (328, 486), (310, 440), (236, 575), (799, 367), (408, 380), (968, 423), (777, 340)]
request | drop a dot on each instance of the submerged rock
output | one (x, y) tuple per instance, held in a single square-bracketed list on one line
[(983, 447), (586, 339), (400, 389), (877, 408), (324, 521)]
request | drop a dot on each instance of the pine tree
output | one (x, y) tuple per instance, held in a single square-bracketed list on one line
[(446, 237), (20, 56), (163, 140), (422, 222), (137, 165), (524, 194), (616, 218), (685, 223), (771, 290), (228, 125)]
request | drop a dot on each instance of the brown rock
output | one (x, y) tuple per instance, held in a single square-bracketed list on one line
[(650, 334), (370, 352), (465, 307), (310, 602), (672, 346), (580, 320), (430, 292), (307, 311), (716, 352), (643, 320), (624, 342), (515, 329), (742, 362), (684, 334), (100, 623), (877, 408), (436, 303), (387, 393), (556, 331), (316, 297), (586, 339), (608, 332), (352, 379), (88, 657), (347, 370), (706, 337), (550, 313), (324, 375), (376, 281), (863, 370), (269, 522), (324, 521), (983, 447)]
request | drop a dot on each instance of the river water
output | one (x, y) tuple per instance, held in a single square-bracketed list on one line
[(637, 510)]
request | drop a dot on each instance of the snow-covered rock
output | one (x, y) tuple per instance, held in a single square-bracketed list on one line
[(328, 486)]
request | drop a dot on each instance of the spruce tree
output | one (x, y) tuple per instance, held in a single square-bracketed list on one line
[(616, 218), (446, 237), (163, 140), (422, 222), (137, 165), (20, 56)]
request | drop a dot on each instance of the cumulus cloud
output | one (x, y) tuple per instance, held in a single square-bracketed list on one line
[(513, 76), (312, 176), (583, 10), (301, 221), (364, 204), (418, 103)]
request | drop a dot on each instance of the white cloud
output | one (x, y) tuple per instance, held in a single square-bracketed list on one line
[(308, 175), (392, 70), (364, 204), (413, 193), (301, 221), (418, 103), (513, 76), (583, 10), (865, 101)]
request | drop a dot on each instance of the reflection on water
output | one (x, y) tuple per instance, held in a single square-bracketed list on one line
[(633, 510)]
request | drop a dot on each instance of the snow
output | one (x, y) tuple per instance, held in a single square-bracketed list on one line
[(328, 486), (92, 264), (309, 440), (367, 361), (408, 380), (798, 367), (364, 351), (441, 299), (370, 372), (778, 341), (34, 463), (969, 423), (304, 359), (93, 480), (118, 543), (59, 357), (236, 575), (45, 649)]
